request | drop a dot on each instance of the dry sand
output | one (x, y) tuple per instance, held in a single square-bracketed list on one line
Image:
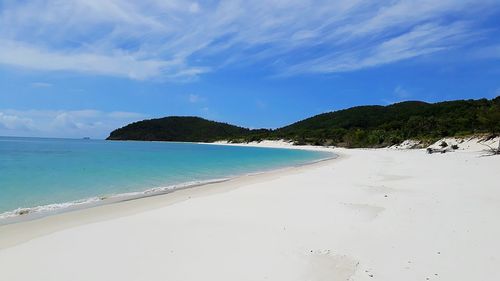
[(369, 215)]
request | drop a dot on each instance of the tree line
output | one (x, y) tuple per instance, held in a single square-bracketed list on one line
[(362, 126)]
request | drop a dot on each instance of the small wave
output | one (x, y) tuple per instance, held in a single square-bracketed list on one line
[(48, 208), (51, 208)]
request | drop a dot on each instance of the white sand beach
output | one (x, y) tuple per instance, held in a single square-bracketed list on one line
[(379, 214)]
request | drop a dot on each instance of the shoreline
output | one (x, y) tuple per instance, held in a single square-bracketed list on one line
[(23, 214), (38, 224)]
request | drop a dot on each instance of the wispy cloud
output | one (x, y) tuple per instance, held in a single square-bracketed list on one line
[(63, 123), (179, 40), (192, 98), (421, 40), (401, 92), (127, 65), (41, 85)]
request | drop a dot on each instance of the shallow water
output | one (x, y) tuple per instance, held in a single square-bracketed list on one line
[(58, 173)]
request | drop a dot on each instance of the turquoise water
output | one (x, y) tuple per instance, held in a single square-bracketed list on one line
[(39, 172)]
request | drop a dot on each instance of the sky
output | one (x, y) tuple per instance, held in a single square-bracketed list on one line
[(81, 68)]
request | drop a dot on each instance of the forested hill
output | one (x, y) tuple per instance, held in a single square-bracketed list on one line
[(372, 126), (362, 126), (175, 128)]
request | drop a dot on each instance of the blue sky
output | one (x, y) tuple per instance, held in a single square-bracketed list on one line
[(79, 68)]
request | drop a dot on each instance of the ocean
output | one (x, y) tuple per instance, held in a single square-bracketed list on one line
[(40, 175)]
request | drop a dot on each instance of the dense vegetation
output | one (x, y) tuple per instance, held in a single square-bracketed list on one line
[(363, 126), (174, 128)]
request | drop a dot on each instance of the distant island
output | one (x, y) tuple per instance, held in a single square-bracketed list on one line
[(361, 126)]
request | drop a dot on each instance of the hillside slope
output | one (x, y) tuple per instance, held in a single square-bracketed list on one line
[(176, 128), (362, 126), (374, 126)]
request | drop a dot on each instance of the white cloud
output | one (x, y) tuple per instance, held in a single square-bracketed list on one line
[(421, 40), (179, 40), (63, 123), (192, 98), (401, 93), (41, 85), (390, 16), (194, 8), (127, 65), (14, 122)]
